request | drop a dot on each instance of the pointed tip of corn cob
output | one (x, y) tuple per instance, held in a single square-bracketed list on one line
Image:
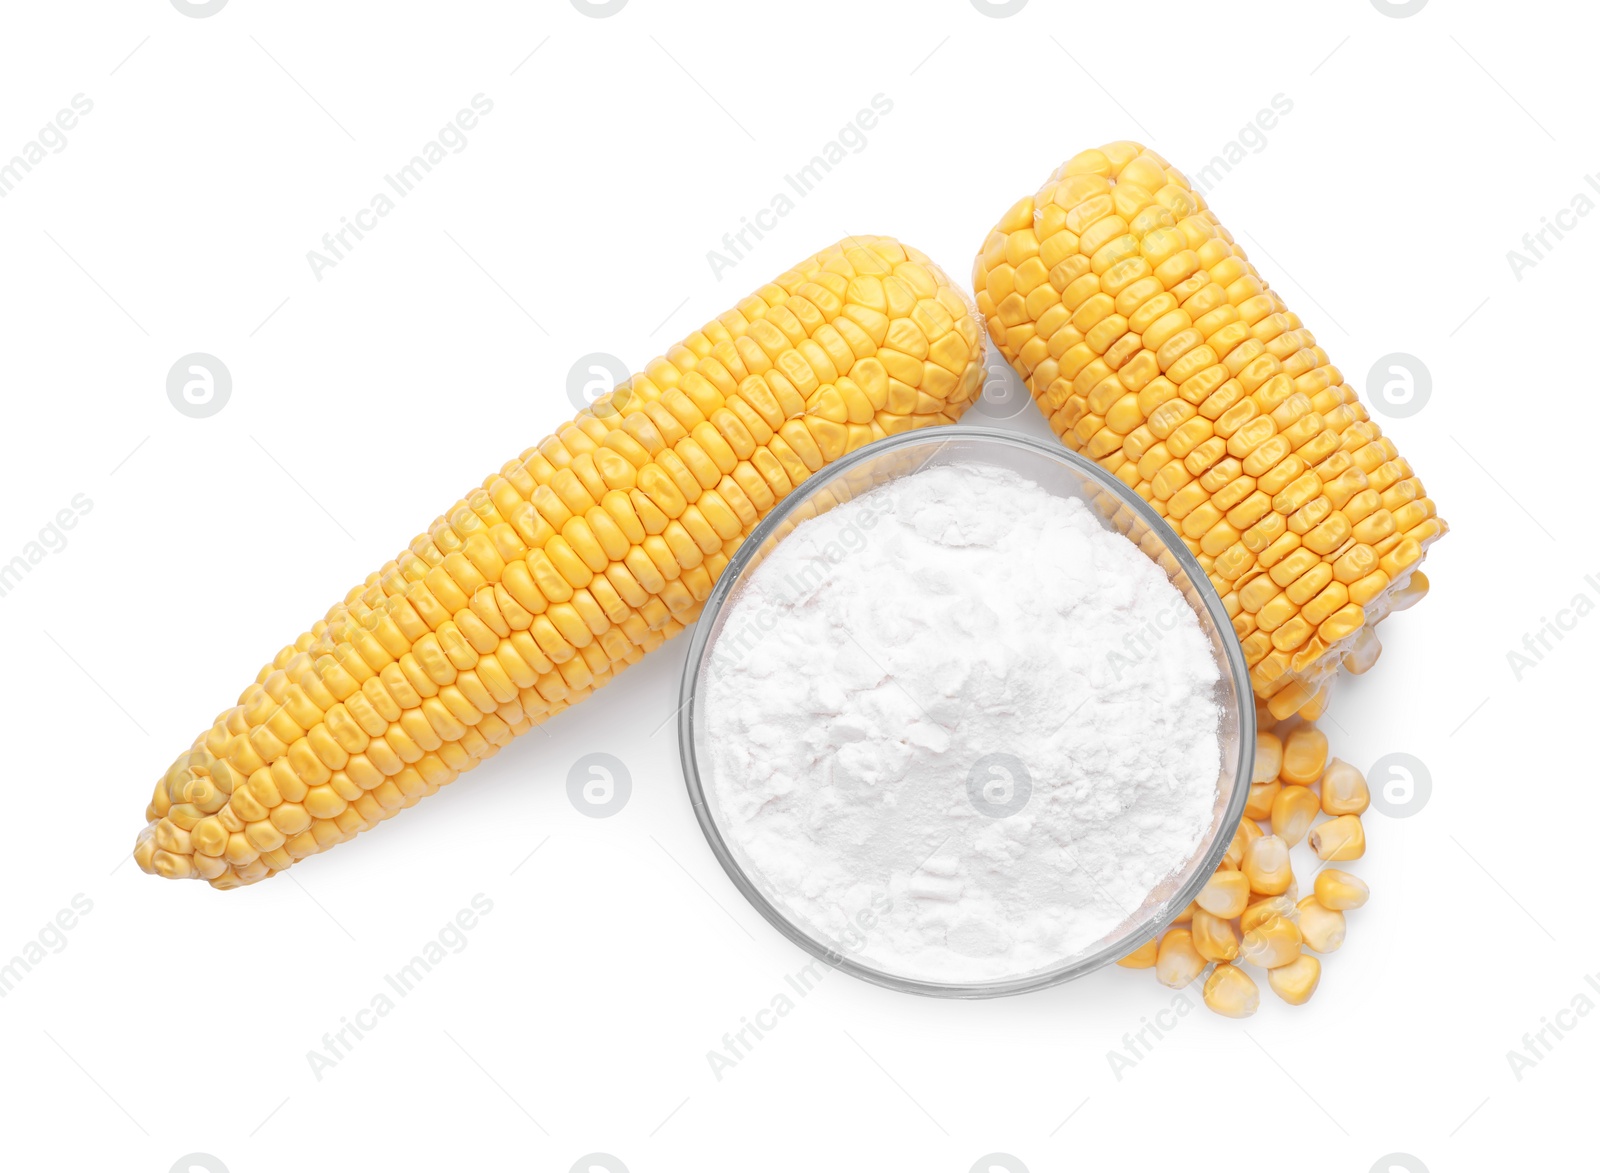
[(1154, 346), (567, 565)]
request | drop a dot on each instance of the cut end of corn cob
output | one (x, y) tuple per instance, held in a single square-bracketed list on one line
[(1153, 346), (567, 565)]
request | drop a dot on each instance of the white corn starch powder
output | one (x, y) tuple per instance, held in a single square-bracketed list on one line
[(959, 697)]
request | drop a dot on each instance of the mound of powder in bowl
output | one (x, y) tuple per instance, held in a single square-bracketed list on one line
[(957, 730)]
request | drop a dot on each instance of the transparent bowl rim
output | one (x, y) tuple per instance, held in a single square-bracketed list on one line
[(700, 640)]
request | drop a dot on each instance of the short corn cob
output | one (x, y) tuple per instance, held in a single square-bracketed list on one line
[(1154, 346), (570, 563)]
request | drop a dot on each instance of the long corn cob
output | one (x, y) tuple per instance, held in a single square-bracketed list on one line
[(1154, 346), (570, 563)]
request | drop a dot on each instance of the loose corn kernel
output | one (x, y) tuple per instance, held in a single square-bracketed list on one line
[(1231, 992), (1265, 909), (1262, 796), (1273, 943), (1226, 894), (1242, 835), (1178, 962), (1214, 938), (1266, 866), (1170, 358), (1235, 853), (567, 565), (1296, 981), (1293, 812), (1344, 790), (1144, 957), (1269, 757), (1321, 928), (1305, 755), (1186, 915), (1339, 839), (1340, 890)]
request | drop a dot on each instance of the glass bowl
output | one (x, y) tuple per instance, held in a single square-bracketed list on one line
[(1064, 474)]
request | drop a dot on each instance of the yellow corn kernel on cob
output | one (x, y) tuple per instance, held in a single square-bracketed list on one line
[(570, 563), (1154, 347)]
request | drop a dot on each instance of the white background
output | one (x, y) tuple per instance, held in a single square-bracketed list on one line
[(177, 218)]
